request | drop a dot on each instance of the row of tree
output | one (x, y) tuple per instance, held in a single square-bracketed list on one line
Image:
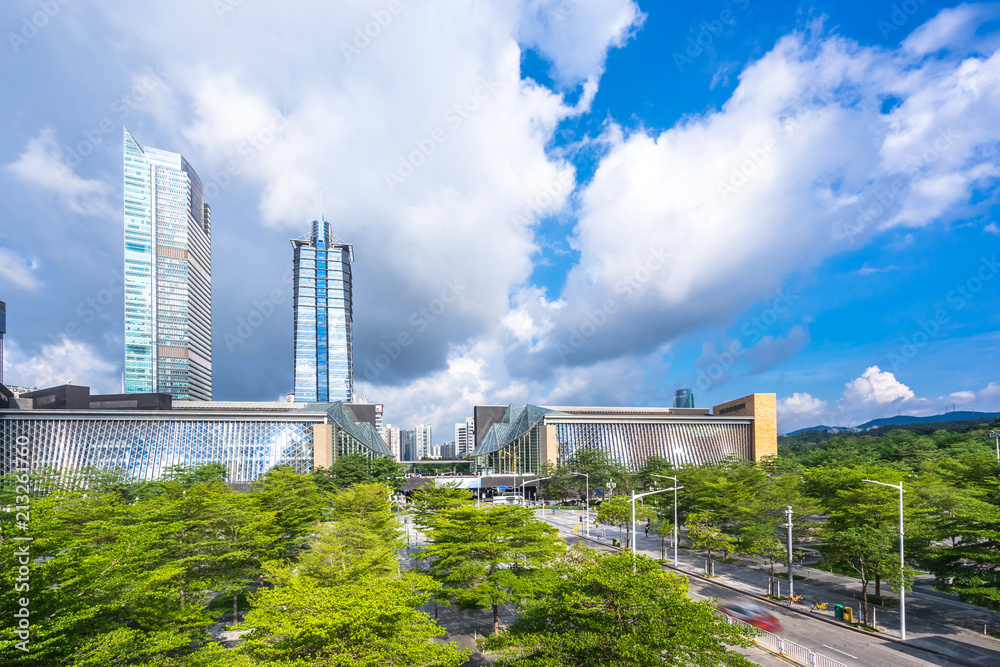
[(951, 505)]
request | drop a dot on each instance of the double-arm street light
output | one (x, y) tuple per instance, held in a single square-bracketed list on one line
[(675, 511), (587, 520), (902, 562), (636, 496)]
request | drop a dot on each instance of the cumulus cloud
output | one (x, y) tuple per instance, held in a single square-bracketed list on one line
[(42, 165), (60, 363), (876, 386), (800, 407)]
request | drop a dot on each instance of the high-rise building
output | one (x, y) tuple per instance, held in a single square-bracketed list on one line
[(324, 316), (3, 330), (168, 276), (422, 438), (391, 435), (407, 445), (465, 437)]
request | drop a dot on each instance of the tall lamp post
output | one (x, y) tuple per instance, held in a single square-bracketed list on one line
[(675, 512), (636, 496), (902, 562), (587, 520), (791, 578), (996, 436)]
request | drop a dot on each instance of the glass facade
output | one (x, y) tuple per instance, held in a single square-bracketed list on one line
[(514, 445), (324, 316), (248, 441), (144, 445), (168, 276)]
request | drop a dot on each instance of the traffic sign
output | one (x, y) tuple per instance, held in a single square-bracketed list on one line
[(502, 487)]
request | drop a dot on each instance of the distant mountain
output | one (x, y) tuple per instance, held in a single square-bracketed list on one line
[(811, 428), (946, 417), (900, 420)]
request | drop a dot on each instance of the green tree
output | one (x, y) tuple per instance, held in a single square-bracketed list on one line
[(618, 511), (868, 551), (369, 623), (600, 613), (295, 500), (489, 556), (433, 497), (973, 561), (705, 535)]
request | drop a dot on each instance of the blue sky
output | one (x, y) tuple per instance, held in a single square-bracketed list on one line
[(625, 198)]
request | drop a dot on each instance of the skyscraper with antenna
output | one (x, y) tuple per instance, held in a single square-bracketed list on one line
[(323, 312)]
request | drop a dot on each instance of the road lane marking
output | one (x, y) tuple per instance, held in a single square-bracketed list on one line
[(839, 651)]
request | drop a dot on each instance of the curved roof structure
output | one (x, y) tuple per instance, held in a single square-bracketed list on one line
[(516, 422), (363, 432)]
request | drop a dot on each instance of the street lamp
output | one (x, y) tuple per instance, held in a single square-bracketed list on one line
[(902, 563), (587, 499), (636, 496), (675, 512), (996, 436), (791, 578)]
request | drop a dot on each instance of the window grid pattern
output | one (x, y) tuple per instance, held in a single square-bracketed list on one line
[(145, 447), (631, 444), (323, 312)]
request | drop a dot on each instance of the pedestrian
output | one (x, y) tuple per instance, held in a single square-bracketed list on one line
[(647, 529)]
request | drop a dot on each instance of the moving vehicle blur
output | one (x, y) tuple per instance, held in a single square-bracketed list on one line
[(752, 614)]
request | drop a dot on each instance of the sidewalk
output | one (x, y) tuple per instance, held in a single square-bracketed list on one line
[(934, 620)]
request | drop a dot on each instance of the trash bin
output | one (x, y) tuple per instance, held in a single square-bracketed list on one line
[(838, 612), (848, 615)]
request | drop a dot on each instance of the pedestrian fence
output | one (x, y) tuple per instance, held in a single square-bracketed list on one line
[(790, 650)]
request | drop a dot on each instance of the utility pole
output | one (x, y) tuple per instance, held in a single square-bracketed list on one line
[(791, 578)]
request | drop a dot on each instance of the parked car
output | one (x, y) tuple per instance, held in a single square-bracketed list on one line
[(752, 614)]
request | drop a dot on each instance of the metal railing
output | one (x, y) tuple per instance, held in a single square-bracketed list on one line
[(790, 650)]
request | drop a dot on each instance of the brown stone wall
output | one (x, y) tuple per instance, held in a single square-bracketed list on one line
[(763, 408)]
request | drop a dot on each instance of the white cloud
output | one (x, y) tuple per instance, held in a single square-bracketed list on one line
[(17, 271), (867, 270), (42, 165), (875, 386), (799, 410), (60, 363), (992, 229)]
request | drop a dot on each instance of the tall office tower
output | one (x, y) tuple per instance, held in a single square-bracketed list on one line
[(422, 438), (465, 437), (407, 440), (324, 316), (3, 330), (168, 276), (395, 443)]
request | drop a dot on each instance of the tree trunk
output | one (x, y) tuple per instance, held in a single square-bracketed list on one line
[(864, 601), (496, 619), (234, 608), (663, 547), (878, 586)]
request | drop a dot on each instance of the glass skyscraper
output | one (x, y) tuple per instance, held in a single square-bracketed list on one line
[(324, 316), (168, 276)]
